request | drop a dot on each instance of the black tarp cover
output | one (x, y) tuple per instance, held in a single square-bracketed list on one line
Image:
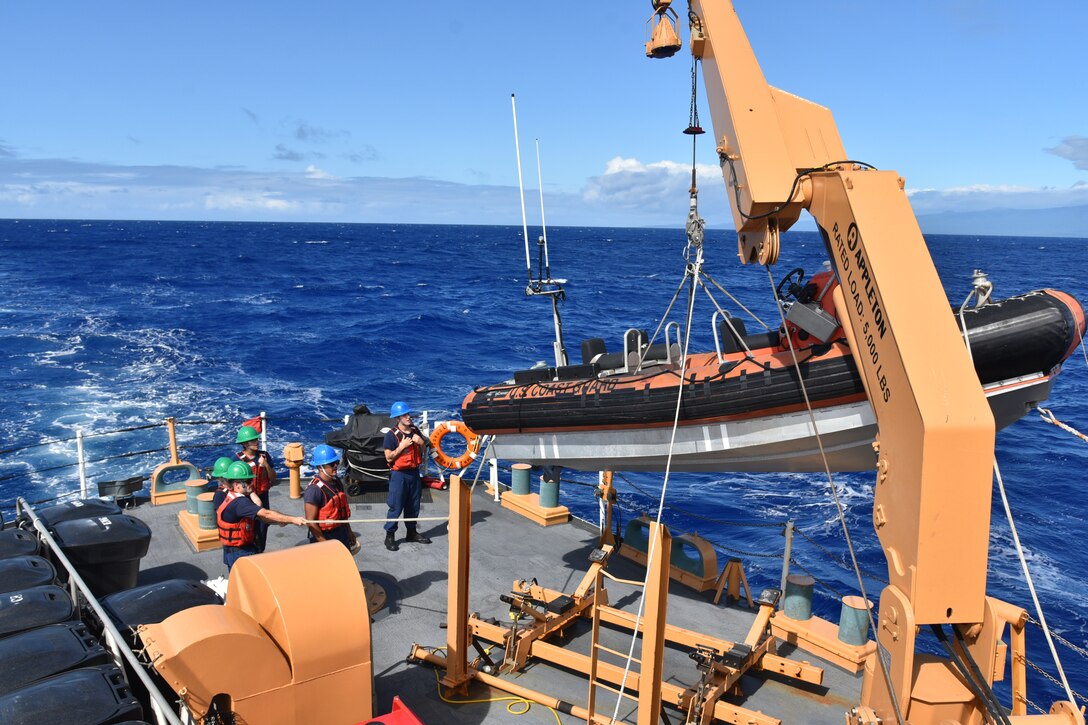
[(361, 440)]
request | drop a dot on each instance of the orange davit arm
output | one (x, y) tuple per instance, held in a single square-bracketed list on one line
[(781, 154)]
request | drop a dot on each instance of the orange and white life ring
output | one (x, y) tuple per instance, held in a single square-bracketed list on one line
[(443, 459)]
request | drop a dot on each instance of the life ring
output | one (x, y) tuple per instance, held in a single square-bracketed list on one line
[(443, 459)]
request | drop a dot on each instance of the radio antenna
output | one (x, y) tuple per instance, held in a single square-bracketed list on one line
[(543, 225), (543, 284), (521, 191)]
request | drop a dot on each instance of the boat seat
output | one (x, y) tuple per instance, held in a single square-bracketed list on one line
[(577, 372), (730, 340), (763, 339), (592, 348), (610, 361), (533, 375), (731, 343)]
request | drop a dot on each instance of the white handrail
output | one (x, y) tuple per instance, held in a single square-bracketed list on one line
[(161, 708)]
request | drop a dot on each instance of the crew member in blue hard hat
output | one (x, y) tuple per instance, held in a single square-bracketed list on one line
[(264, 475), (325, 500), (237, 516), (404, 453)]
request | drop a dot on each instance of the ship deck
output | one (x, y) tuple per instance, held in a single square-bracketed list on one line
[(506, 547)]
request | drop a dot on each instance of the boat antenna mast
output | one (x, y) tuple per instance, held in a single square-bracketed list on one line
[(543, 283)]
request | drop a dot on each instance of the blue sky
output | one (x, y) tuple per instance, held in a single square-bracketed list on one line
[(360, 112)]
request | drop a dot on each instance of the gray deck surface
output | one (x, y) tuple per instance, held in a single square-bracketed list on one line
[(505, 547)]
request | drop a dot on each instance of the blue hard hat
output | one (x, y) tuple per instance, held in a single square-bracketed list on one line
[(399, 408), (323, 455)]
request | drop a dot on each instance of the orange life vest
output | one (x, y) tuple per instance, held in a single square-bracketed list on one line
[(240, 533), (412, 456), (261, 482), (336, 507)]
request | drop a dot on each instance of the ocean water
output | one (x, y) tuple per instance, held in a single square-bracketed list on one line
[(114, 324)]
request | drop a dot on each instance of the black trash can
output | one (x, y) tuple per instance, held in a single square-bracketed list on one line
[(152, 603), (23, 572), (83, 508), (92, 696), (105, 550), (16, 542), (35, 607), (38, 653)]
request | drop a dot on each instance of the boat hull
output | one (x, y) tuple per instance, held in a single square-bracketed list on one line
[(785, 442)]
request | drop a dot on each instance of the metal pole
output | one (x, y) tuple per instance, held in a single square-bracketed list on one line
[(264, 432), (786, 560), (82, 464), (494, 463), (172, 433), (426, 433), (600, 503)]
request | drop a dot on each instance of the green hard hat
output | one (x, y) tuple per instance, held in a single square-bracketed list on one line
[(238, 471), (247, 433), (220, 468)]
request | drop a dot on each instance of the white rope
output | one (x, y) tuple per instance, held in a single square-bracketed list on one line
[(1049, 417), (1083, 351), (1031, 584), (375, 521), (1012, 524), (664, 487)]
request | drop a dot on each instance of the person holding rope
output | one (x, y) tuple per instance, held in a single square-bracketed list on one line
[(325, 501), (237, 516), (404, 454), (264, 475)]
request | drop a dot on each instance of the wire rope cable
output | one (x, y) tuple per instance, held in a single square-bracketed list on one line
[(1016, 537), (885, 666), (1031, 583), (694, 267)]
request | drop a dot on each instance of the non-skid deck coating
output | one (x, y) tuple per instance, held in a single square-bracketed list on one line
[(505, 547)]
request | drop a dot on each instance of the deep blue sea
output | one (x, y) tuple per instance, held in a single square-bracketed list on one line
[(115, 324)]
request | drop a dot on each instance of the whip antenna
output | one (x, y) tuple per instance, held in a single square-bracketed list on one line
[(543, 226), (521, 191)]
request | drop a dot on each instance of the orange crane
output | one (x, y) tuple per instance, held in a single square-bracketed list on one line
[(781, 154)]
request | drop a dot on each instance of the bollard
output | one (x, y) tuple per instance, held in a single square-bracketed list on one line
[(549, 493), (854, 620), (206, 511), (799, 597), (519, 478), (293, 457), (193, 488)]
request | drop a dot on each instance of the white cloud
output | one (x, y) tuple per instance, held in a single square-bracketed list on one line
[(248, 202), (657, 188), (312, 172), (1074, 148), (982, 197), (628, 192)]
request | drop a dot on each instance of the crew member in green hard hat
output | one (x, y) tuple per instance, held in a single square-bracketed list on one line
[(404, 454), (264, 475), (237, 516), (326, 501), (219, 470)]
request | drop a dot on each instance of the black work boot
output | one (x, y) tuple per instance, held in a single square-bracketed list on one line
[(390, 542), (415, 537)]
